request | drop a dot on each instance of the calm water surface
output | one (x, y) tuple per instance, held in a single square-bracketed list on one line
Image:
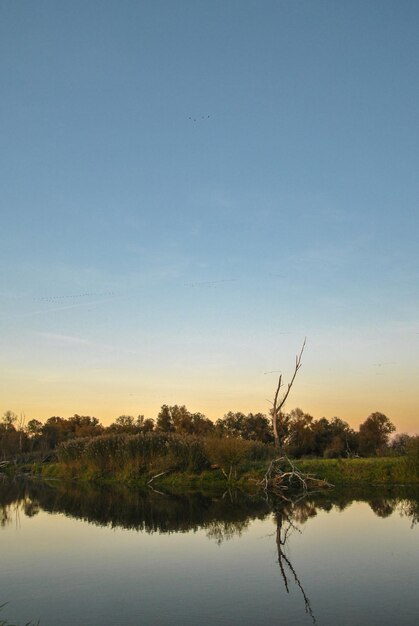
[(77, 555)]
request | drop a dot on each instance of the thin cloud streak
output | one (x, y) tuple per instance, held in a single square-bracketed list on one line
[(66, 339)]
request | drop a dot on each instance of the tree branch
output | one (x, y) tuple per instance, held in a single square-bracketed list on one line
[(277, 407)]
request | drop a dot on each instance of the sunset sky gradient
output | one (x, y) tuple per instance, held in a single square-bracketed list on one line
[(191, 188)]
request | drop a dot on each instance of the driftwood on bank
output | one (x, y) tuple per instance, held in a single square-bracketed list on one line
[(157, 476), (282, 475)]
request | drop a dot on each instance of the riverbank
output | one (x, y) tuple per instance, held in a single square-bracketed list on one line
[(339, 472), (373, 471)]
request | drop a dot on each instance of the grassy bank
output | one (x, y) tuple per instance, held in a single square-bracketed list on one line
[(377, 470), (157, 457), (371, 471), (190, 462)]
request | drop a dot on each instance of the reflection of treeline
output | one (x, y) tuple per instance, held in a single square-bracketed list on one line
[(221, 516), (300, 433), (134, 509)]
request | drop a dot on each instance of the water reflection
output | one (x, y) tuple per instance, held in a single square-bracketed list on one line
[(220, 516), (286, 517), (149, 511), (223, 515)]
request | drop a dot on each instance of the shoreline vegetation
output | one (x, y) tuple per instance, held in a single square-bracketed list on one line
[(172, 461), (186, 450), (339, 472)]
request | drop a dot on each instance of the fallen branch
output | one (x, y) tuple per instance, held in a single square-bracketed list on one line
[(157, 476), (283, 475)]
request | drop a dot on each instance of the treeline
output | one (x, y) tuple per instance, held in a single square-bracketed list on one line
[(300, 432)]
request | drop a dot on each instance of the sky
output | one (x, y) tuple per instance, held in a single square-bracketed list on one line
[(189, 189)]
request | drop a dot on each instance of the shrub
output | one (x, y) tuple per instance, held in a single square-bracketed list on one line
[(229, 453)]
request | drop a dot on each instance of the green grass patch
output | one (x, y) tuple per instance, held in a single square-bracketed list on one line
[(377, 471)]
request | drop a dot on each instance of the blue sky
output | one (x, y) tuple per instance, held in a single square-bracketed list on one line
[(191, 188)]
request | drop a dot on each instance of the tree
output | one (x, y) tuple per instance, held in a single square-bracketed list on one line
[(334, 438), (178, 419), (256, 427), (201, 425), (231, 424), (181, 419), (34, 428), (10, 437), (84, 426), (124, 424), (164, 421), (400, 443), (144, 425), (34, 433), (55, 430), (374, 434), (9, 420), (301, 437), (12, 433), (278, 402)]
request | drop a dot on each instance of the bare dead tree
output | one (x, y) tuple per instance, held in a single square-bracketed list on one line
[(21, 426), (282, 474), (278, 403)]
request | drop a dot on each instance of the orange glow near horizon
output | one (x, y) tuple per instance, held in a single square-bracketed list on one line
[(107, 395)]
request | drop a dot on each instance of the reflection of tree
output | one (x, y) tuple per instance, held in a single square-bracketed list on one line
[(11, 496), (383, 507), (285, 516), (223, 531), (410, 509), (290, 511), (403, 500), (31, 507), (4, 516)]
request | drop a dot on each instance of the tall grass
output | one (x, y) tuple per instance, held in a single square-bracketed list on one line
[(140, 456), (132, 456)]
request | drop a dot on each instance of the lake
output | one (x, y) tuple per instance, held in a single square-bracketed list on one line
[(79, 554)]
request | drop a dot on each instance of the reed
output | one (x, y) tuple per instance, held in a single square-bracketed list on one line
[(123, 456), (133, 455), (139, 457)]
